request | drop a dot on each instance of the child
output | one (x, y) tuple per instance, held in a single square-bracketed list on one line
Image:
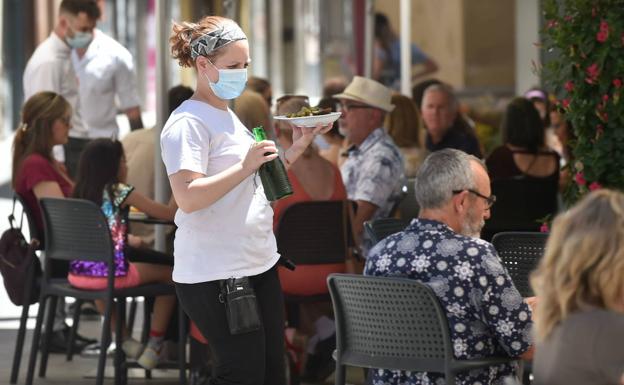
[(101, 178)]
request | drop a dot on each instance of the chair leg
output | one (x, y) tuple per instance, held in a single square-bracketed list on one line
[(148, 303), (19, 343), (120, 357), (182, 337), (132, 313), (341, 374), (105, 340), (74, 330), (32, 361), (45, 349), (450, 378)]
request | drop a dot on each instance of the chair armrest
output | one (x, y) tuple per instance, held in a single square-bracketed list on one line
[(466, 365)]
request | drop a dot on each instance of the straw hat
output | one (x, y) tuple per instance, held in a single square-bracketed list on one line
[(368, 91)]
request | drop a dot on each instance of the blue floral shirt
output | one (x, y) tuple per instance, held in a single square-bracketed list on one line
[(374, 172), (486, 313)]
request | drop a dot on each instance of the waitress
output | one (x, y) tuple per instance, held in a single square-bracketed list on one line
[(224, 219)]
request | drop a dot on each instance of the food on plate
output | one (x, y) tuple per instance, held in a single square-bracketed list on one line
[(309, 111)]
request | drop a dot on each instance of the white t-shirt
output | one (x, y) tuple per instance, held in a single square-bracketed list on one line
[(107, 82), (50, 69), (233, 237)]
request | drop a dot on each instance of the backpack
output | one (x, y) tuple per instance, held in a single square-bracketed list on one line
[(19, 264)]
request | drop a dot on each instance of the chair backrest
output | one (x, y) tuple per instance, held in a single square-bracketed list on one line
[(520, 253), (315, 232), (408, 208), (75, 229), (32, 225), (389, 323), (520, 205), (379, 229)]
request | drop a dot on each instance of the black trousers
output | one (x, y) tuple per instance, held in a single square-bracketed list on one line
[(255, 358)]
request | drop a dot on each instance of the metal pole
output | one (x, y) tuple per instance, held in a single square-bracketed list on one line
[(277, 47), (406, 52), (163, 17), (368, 38)]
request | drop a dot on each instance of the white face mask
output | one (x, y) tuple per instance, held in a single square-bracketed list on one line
[(231, 82), (79, 40)]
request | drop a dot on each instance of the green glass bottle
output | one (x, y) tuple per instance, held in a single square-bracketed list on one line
[(273, 174)]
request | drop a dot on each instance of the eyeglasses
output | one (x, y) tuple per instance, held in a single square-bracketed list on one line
[(66, 120), (490, 200), (347, 107)]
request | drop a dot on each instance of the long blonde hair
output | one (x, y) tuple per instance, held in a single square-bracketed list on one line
[(583, 265), (403, 122), (34, 134)]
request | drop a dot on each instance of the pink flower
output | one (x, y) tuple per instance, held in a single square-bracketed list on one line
[(604, 26), (544, 228), (569, 86), (592, 73), (580, 179), (552, 23), (594, 186), (602, 36), (617, 83), (605, 97), (565, 103), (568, 18)]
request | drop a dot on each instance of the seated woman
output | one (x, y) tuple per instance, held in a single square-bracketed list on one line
[(46, 120), (101, 178), (404, 127), (313, 178), (524, 172), (579, 285)]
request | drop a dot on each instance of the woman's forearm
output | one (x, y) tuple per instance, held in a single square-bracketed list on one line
[(194, 191)]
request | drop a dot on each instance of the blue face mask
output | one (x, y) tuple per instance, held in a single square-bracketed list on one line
[(79, 40), (231, 83)]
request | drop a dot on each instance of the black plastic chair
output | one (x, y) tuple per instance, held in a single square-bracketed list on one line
[(314, 233), (379, 229), (29, 286), (394, 323), (520, 253), (77, 229), (408, 208)]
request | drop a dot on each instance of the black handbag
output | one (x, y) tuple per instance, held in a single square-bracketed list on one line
[(19, 264), (241, 305)]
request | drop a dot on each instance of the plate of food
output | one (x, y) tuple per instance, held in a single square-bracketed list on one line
[(310, 117)]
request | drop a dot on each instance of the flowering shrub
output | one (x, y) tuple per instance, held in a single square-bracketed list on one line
[(588, 75)]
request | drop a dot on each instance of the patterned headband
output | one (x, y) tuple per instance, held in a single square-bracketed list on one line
[(204, 45)]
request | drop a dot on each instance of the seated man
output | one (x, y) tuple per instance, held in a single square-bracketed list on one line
[(487, 316), (373, 173)]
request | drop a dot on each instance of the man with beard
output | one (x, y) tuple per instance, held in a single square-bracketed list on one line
[(486, 314)]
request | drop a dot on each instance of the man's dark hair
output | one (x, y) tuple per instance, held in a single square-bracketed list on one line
[(177, 95), (74, 7)]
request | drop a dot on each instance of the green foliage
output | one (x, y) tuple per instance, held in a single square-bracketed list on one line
[(588, 77)]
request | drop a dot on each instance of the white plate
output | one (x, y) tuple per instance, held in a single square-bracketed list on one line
[(311, 121)]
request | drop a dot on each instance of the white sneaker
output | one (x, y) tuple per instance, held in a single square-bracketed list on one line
[(132, 348), (150, 357)]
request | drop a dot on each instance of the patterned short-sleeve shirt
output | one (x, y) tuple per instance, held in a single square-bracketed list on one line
[(486, 313), (374, 172)]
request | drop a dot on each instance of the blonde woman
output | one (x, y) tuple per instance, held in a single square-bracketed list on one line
[(404, 127), (580, 285)]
